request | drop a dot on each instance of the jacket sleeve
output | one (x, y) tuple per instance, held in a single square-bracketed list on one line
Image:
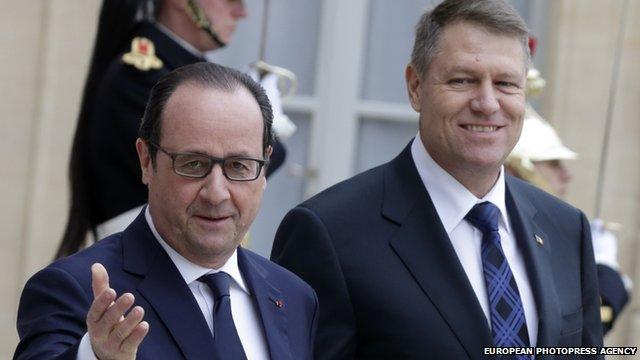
[(591, 326), (304, 245), (613, 293), (51, 316)]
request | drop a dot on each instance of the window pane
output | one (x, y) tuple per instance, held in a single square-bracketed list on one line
[(292, 39), (380, 141), (284, 191), (389, 43)]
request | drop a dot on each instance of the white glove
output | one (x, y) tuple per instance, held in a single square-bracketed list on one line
[(282, 125), (605, 245)]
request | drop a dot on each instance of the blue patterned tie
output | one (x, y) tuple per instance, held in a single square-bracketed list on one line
[(227, 344), (508, 324)]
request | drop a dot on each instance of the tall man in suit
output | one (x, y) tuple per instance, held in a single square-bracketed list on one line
[(176, 284), (438, 254)]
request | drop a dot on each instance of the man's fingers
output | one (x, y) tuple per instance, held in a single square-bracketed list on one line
[(100, 304), (99, 279), (125, 327), (111, 317), (131, 343), (114, 313), (107, 325)]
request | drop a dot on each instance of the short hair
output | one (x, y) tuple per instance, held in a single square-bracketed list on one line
[(496, 16), (208, 75)]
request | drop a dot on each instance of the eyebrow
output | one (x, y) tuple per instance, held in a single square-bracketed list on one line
[(242, 154), (466, 70)]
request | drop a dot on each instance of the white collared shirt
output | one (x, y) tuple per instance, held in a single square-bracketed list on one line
[(245, 315), (452, 202)]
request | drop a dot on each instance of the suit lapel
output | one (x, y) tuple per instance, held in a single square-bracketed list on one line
[(424, 247), (165, 290), (266, 298), (537, 259)]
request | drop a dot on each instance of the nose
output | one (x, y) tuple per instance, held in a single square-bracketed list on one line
[(240, 10), (215, 188), (485, 100)]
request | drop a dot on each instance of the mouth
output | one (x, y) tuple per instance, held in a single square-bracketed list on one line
[(481, 128), (212, 221)]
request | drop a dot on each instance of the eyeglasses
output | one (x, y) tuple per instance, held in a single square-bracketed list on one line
[(195, 165)]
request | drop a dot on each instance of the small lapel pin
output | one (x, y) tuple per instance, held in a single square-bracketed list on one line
[(539, 240), (279, 303)]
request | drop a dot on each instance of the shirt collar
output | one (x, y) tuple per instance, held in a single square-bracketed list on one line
[(182, 42), (192, 272), (450, 198)]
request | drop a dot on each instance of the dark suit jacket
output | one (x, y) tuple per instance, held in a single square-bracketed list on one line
[(112, 160), (55, 301), (391, 286)]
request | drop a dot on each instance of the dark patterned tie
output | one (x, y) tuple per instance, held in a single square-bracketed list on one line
[(227, 344), (508, 324)]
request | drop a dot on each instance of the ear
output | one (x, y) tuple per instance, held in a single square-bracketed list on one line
[(144, 156), (414, 86)]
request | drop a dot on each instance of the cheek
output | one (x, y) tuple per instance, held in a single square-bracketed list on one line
[(180, 196), (515, 133), (248, 201), (547, 173), (216, 11), (514, 107), (444, 110)]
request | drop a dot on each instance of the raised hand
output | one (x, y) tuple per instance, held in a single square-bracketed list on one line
[(113, 335)]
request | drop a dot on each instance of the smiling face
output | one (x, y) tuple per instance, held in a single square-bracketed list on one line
[(205, 219), (471, 102)]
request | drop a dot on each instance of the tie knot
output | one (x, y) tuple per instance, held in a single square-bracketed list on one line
[(484, 217), (218, 282)]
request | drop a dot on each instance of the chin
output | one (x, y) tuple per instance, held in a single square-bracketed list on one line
[(209, 239), (211, 248), (483, 162)]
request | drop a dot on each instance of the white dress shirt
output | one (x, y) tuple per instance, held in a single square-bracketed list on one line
[(452, 202), (245, 315)]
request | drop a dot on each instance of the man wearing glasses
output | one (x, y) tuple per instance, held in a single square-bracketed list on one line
[(176, 284)]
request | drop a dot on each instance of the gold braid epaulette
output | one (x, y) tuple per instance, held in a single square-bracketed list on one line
[(142, 55)]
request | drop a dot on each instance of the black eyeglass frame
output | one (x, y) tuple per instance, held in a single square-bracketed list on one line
[(214, 160)]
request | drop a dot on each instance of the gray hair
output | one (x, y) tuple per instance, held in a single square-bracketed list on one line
[(496, 16)]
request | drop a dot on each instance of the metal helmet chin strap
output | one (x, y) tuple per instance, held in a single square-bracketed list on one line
[(202, 21)]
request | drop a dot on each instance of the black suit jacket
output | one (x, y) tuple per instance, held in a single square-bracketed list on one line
[(55, 301), (391, 286)]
